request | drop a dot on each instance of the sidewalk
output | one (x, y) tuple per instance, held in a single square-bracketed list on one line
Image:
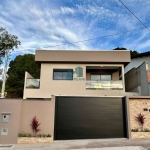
[(98, 144), (116, 148)]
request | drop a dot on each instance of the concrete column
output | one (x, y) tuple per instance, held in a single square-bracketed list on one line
[(123, 81)]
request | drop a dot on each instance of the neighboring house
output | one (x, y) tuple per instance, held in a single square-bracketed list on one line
[(137, 74), (137, 60)]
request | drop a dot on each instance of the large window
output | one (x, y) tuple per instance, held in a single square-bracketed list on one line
[(63, 74), (98, 77)]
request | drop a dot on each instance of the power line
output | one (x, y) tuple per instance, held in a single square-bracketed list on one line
[(99, 37), (92, 38), (134, 15), (121, 7)]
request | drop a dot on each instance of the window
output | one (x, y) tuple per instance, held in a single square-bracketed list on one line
[(95, 77), (100, 77), (106, 77), (63, 74)]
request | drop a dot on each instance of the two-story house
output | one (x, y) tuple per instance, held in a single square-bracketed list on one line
[(86, 90), (78, 73), (80, 95)]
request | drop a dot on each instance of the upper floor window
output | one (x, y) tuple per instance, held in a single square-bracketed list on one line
[(63, 74), (98, 77)]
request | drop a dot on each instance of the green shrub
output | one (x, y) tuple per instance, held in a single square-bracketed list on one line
[(146, 130), (22, 134), (43, 135), (39, 135), (48, 135), (19, 134), (28, 135), (135, 130)]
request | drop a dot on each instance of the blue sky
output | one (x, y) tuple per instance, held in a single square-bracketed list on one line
[(44, 24)]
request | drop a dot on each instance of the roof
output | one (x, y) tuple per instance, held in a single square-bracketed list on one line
[(141, 55), (76, 56)]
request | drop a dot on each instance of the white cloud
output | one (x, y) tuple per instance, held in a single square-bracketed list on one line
[(67, 10), (40, 25), (5, 23)]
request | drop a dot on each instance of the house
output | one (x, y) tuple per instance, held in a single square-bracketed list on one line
[(78, 83), (137, 74), (137, 60), (80, 95), (78, 73)]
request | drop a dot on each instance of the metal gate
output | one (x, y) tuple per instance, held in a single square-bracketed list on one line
[(89, 118)]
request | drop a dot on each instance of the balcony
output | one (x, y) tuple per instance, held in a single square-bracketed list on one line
[(104, 85), (32, 83)]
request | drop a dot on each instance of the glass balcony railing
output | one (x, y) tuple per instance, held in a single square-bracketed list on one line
[(112, 85), (32, 83)]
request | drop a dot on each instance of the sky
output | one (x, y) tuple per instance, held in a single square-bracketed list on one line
[(52, 24)]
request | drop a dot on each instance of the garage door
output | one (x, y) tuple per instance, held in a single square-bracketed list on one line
[(89, 118)]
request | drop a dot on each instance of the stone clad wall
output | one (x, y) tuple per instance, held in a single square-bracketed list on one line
[(140, 135), (27, 140), (136, 106)]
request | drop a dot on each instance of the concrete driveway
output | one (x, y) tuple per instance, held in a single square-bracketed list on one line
[(87, 144)]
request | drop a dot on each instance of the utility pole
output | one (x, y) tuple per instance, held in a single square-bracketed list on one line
[(4, 75)]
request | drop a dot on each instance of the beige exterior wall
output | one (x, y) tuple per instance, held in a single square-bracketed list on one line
[(116, 56), (21, 114), (13, 107), (27, 75), (44, 112), (49, 87)]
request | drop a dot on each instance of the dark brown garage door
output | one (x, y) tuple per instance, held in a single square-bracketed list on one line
[(89, 118)]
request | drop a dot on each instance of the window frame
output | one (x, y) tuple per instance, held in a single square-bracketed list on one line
[(61, 71)]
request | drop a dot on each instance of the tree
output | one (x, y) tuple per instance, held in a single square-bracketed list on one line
[(132, 52), (16, 74), (120, 48), (7, 42)]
